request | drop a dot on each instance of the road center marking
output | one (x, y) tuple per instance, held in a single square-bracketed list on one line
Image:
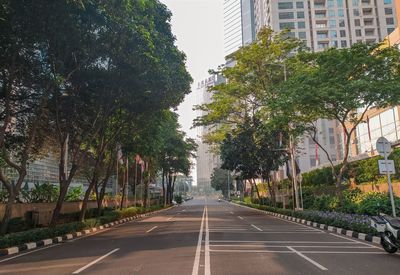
[(232, 212), (259, 229), (151, 229), (307, 258), (95, 261), (196, 263), (207, 269), (170, 218), (240, 218)]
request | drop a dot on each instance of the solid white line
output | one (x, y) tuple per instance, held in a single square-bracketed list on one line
[(207, 269), (170, 218), (94, 262), (251, 251), (151, 229), (236, 241), (354, 241), (259, 229), (307, 258), (196, 263), (275, 232), (231, 212), (240, 218), (301, 246)]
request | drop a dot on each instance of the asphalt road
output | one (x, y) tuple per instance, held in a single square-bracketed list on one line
[(204, 236)]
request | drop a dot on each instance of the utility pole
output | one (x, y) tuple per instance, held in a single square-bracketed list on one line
[(229, 188)]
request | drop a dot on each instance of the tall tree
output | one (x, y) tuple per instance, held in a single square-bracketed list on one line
[(340, 85)]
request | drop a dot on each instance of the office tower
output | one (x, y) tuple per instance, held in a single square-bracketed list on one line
[(206, 160), (239, 26), (328, 23)]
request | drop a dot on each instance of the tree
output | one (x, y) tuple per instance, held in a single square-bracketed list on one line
[(251, 86), (219, 181), (24, 91), (341, 85)]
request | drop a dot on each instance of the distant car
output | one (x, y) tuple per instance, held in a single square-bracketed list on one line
[(174, 203), (219, 200)]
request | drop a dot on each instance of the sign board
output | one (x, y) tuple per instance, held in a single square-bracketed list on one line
[(390, 167), (383, 146)]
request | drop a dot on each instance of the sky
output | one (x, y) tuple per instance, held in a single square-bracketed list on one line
[(198, 27)]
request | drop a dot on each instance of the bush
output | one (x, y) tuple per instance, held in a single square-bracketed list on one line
[(17, 225), (178, 199)]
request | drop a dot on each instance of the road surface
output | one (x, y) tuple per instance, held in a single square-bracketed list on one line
[(204, 236)]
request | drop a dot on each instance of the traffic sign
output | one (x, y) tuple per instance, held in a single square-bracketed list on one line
[(389, 165), (383, 146)]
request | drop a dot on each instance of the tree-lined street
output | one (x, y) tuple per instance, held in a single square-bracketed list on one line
[(232, 240)]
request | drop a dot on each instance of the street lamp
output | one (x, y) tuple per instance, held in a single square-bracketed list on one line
[(291, 147), (229, 188)]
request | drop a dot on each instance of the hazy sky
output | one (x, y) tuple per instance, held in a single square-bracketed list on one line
[(198, 27)]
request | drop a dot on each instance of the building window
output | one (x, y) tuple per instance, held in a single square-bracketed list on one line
[(387, 2), (356, 12), (299, 5), (301, 25), (340, 13), (340, 3), (302, 35), (342, 33), (333, 34), (358, 33), (286, 25), (356, 3), (331, 3), (334, 43), (388, 11), (331, 13), (390, 21), (285, 5), (390, 30), (343, 43), (332, 23), (341, 23), (357, 22), (300, 14), (286, 15)]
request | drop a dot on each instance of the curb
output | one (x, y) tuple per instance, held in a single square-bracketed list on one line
[(60, 239), (349, 233)]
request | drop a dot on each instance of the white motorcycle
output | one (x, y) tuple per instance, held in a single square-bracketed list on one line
[(389, 229)]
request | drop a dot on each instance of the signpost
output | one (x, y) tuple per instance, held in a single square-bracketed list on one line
[(384, 148)]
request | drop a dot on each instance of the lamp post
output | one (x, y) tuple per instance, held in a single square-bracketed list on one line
[(291, 149), (229, 188)]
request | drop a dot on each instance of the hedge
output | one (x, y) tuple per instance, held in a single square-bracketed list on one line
[(362, 171), (32, 235), (354, 222)]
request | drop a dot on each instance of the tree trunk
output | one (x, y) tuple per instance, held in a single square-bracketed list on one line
[(256, 188), (7, 212), (163, 186), (93, 183), (271, 190), (57, 209)]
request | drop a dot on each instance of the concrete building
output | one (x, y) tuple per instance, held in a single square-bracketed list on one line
[(239, 28), (328, 23), (206, 160), (322, 24)]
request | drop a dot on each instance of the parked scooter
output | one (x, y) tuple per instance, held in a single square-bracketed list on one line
[(389, 229)]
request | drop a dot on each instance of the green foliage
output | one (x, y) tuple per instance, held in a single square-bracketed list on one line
[(45, 192), (74, 193), (219, 180), (178, 199)]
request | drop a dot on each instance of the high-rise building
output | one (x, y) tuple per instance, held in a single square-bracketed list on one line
[(232, 26), (239, 28), (322, 24), (206, 160), (328, 23)]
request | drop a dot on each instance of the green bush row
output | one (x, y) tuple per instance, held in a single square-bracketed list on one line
[(356, 223), (32, 235), (362, 171), (354, 202)]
